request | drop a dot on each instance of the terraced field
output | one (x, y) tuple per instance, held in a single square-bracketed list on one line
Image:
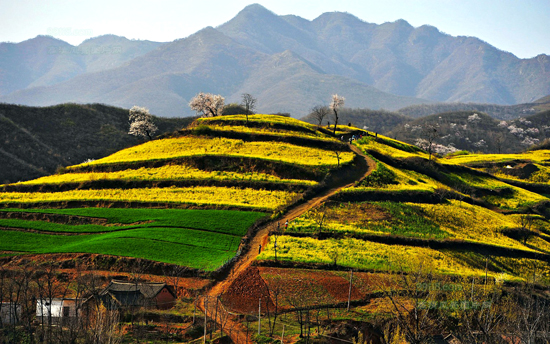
[(410, 210), (232, 183)]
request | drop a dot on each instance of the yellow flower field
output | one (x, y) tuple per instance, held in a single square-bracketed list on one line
[(270, 131), (260, 118), (521, 197), (167, 172), (372, 144), (249, 198), (474, 223), (537, 156), (190, 145), (361, 254)]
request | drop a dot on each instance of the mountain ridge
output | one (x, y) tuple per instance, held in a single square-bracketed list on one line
[(387, 62)]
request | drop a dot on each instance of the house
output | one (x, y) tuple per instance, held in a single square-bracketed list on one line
[(58, 309), (10, 313), (120, 294)]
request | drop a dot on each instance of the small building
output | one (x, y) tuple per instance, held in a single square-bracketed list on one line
[(10, 313), (58, 309), (121, 295)]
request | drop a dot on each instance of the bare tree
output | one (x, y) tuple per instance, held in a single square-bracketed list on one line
[(319, 112), (319, 215), (210, 105), (414, 300), (335, 105), (526, 222), (482, 312), (529, 315), (141, 122), (249, 104), (429, 133)]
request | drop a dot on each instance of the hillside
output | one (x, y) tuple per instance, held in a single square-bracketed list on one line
[(276, 209), (291, 64), (476, 132), (501, 112), (380, 121), (38, 140)]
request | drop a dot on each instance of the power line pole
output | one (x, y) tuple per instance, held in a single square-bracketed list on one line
[(205, 312), (349, 293), (259, 315)]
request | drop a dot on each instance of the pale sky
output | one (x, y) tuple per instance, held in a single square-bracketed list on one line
[(521, 27)]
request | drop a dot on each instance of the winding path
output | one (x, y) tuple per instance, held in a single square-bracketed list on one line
[(364, 167)]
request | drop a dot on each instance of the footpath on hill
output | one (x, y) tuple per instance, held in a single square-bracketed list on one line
[(364, 166)]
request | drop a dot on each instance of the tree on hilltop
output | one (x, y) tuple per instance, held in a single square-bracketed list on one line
[(319, 112), (249, 104), (141, 122), (336, 103), (210, 105)]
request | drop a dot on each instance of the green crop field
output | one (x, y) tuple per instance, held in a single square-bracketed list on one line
[(201, 239)]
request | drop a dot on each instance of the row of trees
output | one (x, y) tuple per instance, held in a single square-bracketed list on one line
[(320, 112), (212, 105), (416, 306)]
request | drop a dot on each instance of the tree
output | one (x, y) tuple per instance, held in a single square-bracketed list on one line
[(210, 105), (430, 133), (141, 122), (319, 112), (336, 103), (249, 104)]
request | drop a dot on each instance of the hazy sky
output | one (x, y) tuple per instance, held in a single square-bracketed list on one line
[(521, 27)]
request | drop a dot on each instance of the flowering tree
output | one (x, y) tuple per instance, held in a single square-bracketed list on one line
[(141, 122), (210, 105), (336, 103)]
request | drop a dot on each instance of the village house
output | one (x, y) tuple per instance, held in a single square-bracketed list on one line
[(120, 295), (58, 309)]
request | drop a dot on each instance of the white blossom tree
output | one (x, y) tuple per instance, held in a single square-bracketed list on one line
[(141, 122), (210, 105), (335, 105)]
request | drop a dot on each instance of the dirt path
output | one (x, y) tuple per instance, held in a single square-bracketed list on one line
[(238, 334)]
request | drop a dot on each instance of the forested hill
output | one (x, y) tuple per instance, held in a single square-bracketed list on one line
[(35, 141)]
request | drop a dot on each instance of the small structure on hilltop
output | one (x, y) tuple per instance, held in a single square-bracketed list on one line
[(123, 295)]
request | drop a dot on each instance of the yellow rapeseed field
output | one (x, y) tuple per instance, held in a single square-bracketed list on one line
[(191, 145), (167, 172), (200, 195), (271, 131), (361, 254), (537, 156)]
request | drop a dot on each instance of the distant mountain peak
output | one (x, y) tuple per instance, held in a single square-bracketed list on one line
[(257, 9)]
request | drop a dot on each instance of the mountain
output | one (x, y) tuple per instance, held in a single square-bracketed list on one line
[(291, 64), (36, 141), (398, 58), (167, 78), (502, 112), (44, 60)]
